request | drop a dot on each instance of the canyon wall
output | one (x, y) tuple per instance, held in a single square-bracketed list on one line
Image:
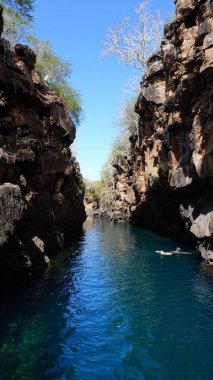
[(41, 188), (165, 182)]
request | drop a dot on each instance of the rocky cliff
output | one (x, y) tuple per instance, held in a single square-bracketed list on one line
[(41, 189), (165, 182)]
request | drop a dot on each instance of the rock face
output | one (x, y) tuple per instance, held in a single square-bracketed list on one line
[(166, 181), (41, 188)]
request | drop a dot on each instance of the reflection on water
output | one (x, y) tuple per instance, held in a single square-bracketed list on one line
[(111, 308)]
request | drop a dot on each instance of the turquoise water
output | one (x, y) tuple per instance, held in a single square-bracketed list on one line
[(111, 308)]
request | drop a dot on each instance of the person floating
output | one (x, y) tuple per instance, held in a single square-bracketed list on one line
[(169, 253)]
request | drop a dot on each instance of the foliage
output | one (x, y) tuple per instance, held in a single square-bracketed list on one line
[(48, 63), (119, 149), (128, 119), (17, 19), (23, 8), (133, 42), (107, 172), (56, 71), (15, 26), (71, 98), (93, 191), (127, 122)]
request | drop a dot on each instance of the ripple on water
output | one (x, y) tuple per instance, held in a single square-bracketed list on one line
[(111, 308)]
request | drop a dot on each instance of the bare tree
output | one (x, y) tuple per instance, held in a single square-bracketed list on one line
[(135, 42)]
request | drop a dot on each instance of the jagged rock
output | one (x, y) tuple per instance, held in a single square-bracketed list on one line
[(185, 7), (167, 184), (25, 54), (41, 188), (155, 93)]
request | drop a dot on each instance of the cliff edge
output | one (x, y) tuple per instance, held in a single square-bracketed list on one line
[(165, 183), (41, 188)]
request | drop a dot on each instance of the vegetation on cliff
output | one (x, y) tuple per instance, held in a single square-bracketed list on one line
[(93, 191), (57, 73), (166, 182), (132, 41), (55, 70), (99, 192), (127, 124)]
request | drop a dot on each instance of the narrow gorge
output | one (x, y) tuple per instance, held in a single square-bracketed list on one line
[(124, 293), (41, 187), (164, 182)]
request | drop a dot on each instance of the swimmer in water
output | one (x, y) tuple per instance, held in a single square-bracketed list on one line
[(178, 250)]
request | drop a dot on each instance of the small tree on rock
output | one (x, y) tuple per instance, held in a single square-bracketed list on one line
[(55, 71)]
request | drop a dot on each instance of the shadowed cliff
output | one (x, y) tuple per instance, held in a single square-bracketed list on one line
[(41, 188)]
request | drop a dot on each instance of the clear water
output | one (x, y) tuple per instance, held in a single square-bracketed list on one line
[(111, 308)]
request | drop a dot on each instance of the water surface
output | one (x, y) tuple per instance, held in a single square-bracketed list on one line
[(111, 308)]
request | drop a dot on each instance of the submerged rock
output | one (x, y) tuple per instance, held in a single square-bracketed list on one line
[(41, 188), (167, 182)]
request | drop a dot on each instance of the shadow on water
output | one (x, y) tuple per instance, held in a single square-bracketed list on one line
[(31, 318), (111, 308)]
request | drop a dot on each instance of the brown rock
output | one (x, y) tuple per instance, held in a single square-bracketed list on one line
[(166, 182), (185, 7), (25, 54), (41, 191)]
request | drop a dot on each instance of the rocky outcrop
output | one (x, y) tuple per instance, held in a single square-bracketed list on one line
[(91, 207), (41, 188), (166, 181)]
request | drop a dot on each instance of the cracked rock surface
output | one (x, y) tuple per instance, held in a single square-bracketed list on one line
[(41, 188), (165, 182)]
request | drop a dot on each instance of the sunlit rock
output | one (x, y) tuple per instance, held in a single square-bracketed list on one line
[(167, 182)]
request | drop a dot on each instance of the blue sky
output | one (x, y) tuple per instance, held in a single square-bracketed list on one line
[(76, 30)]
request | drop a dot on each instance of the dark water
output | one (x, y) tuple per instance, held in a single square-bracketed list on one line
[(112, 308)]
